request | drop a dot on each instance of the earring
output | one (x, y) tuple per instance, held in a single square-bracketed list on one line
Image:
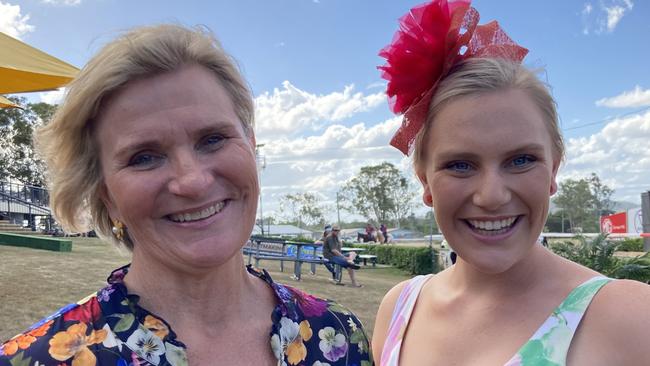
[(428, 199), (118, 229)]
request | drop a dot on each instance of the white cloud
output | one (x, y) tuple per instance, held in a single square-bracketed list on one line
[(291, 111), (12, 22), (633, 98), (321, 164), (62, 2), (606, 18), (619, 154), (377, 85), (614, 15), (52, 97)]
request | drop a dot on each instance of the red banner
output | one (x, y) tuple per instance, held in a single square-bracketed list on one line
[(616, 223)]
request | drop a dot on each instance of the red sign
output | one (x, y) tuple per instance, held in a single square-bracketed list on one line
[(616, 223)]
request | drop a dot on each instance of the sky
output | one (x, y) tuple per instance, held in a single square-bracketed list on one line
[(321, 111)]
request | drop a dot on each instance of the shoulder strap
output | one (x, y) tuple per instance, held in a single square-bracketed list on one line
[(551, 341), (400, 319)]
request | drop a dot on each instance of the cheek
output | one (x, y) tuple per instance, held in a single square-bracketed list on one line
[(131, 198), (447, 196), (241, 168)]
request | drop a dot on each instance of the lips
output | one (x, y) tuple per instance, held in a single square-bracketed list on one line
[(492, 227), (198, 214)]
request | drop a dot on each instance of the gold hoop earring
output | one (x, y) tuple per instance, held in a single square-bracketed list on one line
[(118, 229)]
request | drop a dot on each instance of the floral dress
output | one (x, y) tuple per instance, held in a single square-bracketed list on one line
[(110, 328)]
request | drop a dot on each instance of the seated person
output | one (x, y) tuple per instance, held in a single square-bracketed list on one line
[(332, 252), (326, 231)]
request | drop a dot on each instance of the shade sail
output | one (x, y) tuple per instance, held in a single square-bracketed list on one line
[(24, 68), (6, 103)]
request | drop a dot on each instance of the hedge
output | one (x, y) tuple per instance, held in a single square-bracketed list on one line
[(631, 245), (36, 242), (415, 260)]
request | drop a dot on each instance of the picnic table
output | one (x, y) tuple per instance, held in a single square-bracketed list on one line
[(361, 257), (351, 249)]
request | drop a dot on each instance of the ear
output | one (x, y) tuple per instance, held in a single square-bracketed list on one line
[(556, 166), (427, 197)]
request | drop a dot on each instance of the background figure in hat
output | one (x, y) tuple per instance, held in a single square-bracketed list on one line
[(486, 149), (332, 252)]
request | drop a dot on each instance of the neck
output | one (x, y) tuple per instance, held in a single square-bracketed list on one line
[(526, 275), (184, 297)]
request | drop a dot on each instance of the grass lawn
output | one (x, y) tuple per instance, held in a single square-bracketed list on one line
[(35, 283)]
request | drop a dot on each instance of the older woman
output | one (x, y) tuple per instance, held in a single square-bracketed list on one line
[(487, 149), (155, 142)]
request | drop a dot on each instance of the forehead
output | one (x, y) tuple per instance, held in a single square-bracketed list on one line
[(189, 96), (487, 123)]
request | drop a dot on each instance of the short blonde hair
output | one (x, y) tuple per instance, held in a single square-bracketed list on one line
[(482, 75), (67, 144)]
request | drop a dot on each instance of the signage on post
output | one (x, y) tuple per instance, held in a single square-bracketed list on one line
[(614, 224)]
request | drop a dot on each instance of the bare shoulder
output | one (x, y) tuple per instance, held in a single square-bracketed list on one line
[(618, 322), (384, 315), (626, 298)]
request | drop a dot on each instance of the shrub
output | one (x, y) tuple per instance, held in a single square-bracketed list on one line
[(415, 260), (598, 254), (631, 245)]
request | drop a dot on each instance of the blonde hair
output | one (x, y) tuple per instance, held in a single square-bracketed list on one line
[(66, 143), (482, 75)]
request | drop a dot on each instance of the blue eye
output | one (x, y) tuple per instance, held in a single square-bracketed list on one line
[(144, 160), (211, 142), (523, 161), (459, 166)]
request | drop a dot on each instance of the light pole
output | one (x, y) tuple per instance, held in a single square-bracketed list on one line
[(338, 213), (261, 164)]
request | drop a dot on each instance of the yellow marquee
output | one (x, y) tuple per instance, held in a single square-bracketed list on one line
[(6, 103), (24, 68)]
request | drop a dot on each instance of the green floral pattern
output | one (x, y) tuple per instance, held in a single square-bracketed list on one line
[(550, 344)]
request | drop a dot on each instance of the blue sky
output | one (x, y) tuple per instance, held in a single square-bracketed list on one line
[(320, 105)]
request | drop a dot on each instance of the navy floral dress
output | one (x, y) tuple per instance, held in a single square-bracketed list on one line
[(110, 328)]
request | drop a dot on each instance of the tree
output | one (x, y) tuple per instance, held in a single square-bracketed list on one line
[(602, 196), (303, 208), (577, 201), (583, 201), (379, 192), (18, 161)]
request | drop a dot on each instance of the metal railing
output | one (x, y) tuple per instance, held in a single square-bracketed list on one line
[(30, 200), (37, 195)]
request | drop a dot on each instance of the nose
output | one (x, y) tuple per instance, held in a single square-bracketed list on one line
[(191, 177), (492, 191)]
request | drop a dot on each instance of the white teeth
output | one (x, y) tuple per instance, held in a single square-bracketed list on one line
[(492, 225), (198, 215)]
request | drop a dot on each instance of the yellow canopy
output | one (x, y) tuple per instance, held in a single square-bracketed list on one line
[(6, 103), (23, 68)]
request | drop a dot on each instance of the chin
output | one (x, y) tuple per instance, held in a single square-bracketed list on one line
[(491, 263)]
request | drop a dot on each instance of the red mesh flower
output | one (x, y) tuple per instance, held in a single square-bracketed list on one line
[(426, 46)]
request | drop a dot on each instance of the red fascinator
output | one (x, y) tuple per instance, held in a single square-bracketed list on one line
[(431, 39)]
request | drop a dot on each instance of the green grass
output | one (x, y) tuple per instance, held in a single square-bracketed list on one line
[(35, 283)]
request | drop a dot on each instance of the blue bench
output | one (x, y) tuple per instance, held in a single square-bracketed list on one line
[(277, 249)]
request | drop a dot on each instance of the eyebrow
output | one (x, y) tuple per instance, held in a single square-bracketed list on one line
[(462, 155)]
